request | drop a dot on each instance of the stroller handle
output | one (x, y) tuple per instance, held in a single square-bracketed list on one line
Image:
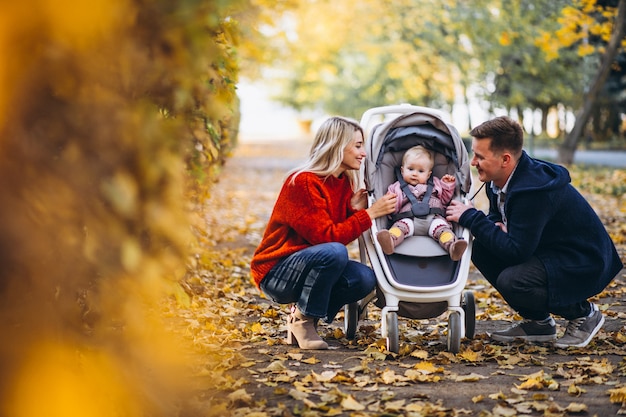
[(403, 108)]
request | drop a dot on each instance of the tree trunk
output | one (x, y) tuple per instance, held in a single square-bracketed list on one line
[(567, 149)]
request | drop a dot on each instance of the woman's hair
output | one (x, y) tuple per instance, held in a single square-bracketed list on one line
[(505, 134), (418, 151), (326, 153)]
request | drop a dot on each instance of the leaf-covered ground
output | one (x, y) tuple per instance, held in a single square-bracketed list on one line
[(239, 335)]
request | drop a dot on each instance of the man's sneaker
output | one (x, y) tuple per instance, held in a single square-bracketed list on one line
[(580, 331), (529, 331)]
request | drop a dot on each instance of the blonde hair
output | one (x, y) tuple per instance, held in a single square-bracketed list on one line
[(326, 154), (418, 151)]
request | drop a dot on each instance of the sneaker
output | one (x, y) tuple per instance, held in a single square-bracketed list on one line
[(529, 331), (580, 331)]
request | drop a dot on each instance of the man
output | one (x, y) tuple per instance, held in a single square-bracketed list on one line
[(541, 245)]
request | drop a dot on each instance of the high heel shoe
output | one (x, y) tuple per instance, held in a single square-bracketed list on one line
[(301, 331)]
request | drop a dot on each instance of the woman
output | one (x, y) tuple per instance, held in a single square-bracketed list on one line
[(302, 257)]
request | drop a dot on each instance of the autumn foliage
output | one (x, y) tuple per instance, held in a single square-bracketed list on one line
[(110, 111)]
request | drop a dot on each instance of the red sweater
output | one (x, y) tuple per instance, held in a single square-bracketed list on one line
[(307, 213)]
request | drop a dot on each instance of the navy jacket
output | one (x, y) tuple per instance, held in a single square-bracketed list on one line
[(548, 218)]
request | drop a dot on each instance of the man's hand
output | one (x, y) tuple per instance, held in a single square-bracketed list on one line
[(455, 210)]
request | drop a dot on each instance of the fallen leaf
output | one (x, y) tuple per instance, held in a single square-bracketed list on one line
[(576, 408), (349, 403), (470, 378), (617, 395), (478, 398), (239, 397)]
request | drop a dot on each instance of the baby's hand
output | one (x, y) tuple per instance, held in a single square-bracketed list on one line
[(448, 178)]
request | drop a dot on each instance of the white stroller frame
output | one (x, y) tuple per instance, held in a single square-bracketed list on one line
[(460, 304)]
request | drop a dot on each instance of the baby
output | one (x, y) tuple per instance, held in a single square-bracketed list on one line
[(416, 169)]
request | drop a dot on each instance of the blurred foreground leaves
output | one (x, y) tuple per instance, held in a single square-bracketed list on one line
[(111, 113)]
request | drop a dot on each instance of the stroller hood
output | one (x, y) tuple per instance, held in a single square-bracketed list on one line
[(390, 140)]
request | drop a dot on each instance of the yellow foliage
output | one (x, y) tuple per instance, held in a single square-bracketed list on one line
[(617, 395), (97, 104), (505, 39), (585, 49), (577, 23), (59, 381)]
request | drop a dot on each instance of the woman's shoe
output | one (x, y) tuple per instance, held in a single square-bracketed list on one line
[(301, 331)]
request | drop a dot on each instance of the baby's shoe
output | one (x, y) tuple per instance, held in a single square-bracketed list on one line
[(452, 244), (389, 239)]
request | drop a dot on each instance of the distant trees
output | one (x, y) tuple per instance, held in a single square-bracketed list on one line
[(517, 55), (600, 28)]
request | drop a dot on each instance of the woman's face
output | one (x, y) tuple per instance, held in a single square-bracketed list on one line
[(353, 154)]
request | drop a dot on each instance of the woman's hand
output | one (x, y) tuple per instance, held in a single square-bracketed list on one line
[(359, 199), (383, 206)]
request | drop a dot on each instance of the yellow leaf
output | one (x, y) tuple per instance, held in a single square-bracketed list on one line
[(325, 376), (502, 411), (275, 366), (576, 408), (418, 376), (575, 390), (312, 360), (397, 405), (427, 368), (471, 356), (617, 395), (505, 39), (420, 354), (478, 398), (338, 333), (349, 403), (389, 377), (239, 396), (531, 384), (295, 356), (473, 377), (298, 395), (257, 328), (498, 396)]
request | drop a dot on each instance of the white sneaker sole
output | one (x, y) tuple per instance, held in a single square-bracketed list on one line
[(546, 338)]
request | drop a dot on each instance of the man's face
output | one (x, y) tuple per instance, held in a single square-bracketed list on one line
[(488, 164)]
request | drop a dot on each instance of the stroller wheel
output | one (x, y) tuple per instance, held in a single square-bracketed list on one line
[(351, 319), (393, 337), (469, 306), (454, 332)]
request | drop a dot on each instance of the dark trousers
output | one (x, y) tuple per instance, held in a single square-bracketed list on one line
[(524, 287), (320, 279)]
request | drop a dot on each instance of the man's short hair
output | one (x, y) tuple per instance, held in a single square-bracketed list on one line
[(505, 133)]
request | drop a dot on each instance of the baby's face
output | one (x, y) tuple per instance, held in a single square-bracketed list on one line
[(416, 170)]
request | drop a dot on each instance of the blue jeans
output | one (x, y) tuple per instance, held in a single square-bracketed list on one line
[(524, 287), (320, 279)]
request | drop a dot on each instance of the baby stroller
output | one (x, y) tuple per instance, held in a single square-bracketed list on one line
[(419, 280)]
